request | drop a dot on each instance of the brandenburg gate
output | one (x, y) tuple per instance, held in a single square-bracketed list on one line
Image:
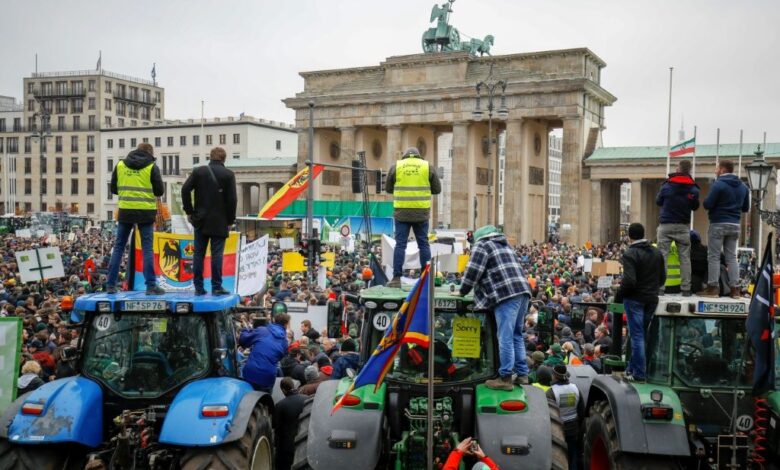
[(411, 100)]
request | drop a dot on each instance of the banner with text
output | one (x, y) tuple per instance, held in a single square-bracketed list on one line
[(253, 267)]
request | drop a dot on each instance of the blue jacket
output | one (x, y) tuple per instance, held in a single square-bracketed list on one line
[(728, 198), (269, 346), (350, 360), (678, 196)]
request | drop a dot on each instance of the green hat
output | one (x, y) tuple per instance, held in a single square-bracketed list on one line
[(486, 231), (556, 348), (538, 356)]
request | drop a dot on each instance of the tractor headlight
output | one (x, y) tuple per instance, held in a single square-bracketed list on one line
[(370, 304), (104, 307), (183, 307), (390, 306), (656, 396)]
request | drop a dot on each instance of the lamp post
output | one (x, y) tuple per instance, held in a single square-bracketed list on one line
[(759, 173), (40, 134), (491, 85)]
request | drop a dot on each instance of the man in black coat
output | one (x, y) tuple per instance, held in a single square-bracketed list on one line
[(643, 275), (286, 414), (214, 212)]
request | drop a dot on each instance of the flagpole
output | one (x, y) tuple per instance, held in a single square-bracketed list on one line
[(717, 148), (669, 124), (694, 163), (761, 208), (739, 164), (431, 354)]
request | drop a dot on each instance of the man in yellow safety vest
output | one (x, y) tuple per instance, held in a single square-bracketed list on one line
[(673, 278), (138, 183), (411, 181)]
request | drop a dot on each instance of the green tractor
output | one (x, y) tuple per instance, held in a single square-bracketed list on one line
[(387, 428), (696, 408)]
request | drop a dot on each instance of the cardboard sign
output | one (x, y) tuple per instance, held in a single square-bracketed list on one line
[(604, 282), (253, 267), (292, 262), (328, 260), (24, 233), (46, 264), (286, 243), (10, 349), (465, 337)]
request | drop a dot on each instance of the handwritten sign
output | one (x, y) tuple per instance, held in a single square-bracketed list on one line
[(465, 333), (604, 282), (253, 267)]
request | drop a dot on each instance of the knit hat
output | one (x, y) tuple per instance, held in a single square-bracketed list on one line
[(555, 348), (560, 372), (566, 331), (411, 151), (544, 375), (310, 373), (323, 361), (538, 357)]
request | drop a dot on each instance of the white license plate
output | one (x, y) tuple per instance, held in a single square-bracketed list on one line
[(144, 306), (445, 304), (721, 307)]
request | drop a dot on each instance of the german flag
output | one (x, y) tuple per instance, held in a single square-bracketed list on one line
[(288, 193)]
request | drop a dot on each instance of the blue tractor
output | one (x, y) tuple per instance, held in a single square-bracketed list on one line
[(158, 388)]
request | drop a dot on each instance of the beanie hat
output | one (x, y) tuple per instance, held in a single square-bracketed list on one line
[(556, 348), (544, 375), (538, 357), (566, 331)]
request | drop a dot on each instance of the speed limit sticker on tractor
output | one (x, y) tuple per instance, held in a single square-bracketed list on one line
[(103, 322), (744, 423), (381, 321)]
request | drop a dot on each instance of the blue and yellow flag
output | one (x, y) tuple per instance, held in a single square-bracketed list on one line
[(410, 325)]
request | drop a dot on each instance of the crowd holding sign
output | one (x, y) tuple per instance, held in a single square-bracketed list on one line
[(252, 267)]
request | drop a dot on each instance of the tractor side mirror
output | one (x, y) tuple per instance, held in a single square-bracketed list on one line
[(69, 353), (218, 355)]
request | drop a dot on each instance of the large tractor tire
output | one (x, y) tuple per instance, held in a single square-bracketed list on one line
[(602, 449), (301, 460), (254, 451), (559, 457), (32, 457)]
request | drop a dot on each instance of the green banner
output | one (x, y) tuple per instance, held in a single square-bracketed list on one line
[(338, 209), (10, 350)]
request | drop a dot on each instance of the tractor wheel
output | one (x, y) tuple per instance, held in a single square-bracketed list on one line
[(253, 451), (301, 460), (602, 450), (32, 457), (559, 457)]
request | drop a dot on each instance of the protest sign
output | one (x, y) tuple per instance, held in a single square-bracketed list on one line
[(253, 267)]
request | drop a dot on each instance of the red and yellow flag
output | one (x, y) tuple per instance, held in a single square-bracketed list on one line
[(288, 193)]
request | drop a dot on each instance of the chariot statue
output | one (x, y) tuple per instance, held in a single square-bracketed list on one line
[(446, 38)]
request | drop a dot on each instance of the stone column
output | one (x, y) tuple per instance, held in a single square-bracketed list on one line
[(462, 209), (435, 164), (347, 155), (515, 183), (635, 212), (393, 144), (596, 212), (571, 175), (245, 199)]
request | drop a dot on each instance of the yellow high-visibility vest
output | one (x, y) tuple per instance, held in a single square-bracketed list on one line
[(543, 387), (673, 278), (135, 187), (412, 186)]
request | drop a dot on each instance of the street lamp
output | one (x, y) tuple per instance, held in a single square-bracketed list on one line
[(759, 173), (40, 134), (491, 85)]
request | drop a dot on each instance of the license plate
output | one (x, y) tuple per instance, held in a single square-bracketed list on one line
[(445, 304), (722, 307), (144, 306)]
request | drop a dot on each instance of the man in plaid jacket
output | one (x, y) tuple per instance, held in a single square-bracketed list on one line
[(499, 284)]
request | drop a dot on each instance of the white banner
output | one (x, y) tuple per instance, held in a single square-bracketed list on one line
[(253, 267), (47, 264), (448, 259)]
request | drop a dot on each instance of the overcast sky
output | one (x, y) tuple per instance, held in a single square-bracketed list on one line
[(244, 56)]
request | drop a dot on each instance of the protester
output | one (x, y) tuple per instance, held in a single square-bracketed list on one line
[(589, 357), (411, 181), (137, 181), (678, 196), (268, 346), (643, 275), (286, 413), (499, 284), (468, 447), (214, 212), (728, 198), (308, 331), (349, 359), (30, 379), (543, 378), (699, 264), (567, 397)]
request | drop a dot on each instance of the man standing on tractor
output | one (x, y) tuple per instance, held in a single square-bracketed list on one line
[(499, 284), (643, 275), (268, 346), (567, 396), (411, 181), (678, 196), (138, 182)]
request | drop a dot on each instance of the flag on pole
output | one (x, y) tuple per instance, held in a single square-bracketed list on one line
[(288, 193), (99, 64), (760, 325), (683, 148), (410, 325), (154, 72)]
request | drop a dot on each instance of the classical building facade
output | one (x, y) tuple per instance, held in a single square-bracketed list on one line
[(554, 149), (411, 100)]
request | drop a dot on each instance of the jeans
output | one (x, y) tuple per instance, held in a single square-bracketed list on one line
[(680, 234), (639, 317), (402, 238), (510, 318), (123, 231), (217, 247), (722, 237)]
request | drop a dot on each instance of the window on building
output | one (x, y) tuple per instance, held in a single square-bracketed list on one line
[(90, 186), (74, 187), (31, 124), (27, 144), (27, 165), (121, 143), (165, 165), (90, 143), (108, 86), (145, 112), (195, 159), (77, 86), (2, 125), (120, 122), (61, 123), (92, 85), (44, 206), (108, 121), (58, 165), (222, 139), (145, 140), (44, 186), (176, 165), (107, 106), (236, 156), (28, 207), (110, 163), (42, 161), (13, 145), (278, 145), (195, 140), (157, 97), (1, 145), (17, 124), (90, 208), (183, 140), (92, 123), (76, 123), (91, 103), (158, 142), (47, 106), (30, 87), (62, 106), (74, 165), (27, 186), (133, 123), (209, 140), (110, 143), (31, 105), (109, 194), (77, 105), (236, 138), (58, 187), (133, 143), (90, 165), (157, 113), (74, 143), (110, 215), (170, 141)]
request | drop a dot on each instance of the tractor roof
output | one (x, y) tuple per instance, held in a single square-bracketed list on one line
[(200, 304)]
